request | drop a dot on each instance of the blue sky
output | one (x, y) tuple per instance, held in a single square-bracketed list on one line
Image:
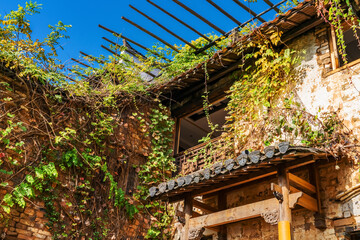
[(84, 16)]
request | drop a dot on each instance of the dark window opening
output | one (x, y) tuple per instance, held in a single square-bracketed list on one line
[(352, 46), (195, 126), (354, 235)]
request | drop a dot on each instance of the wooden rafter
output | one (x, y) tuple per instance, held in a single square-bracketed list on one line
[(204, 207), (301, 183)]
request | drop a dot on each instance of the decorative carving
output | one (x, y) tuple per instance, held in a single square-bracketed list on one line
[(196, 234), (271, 217)]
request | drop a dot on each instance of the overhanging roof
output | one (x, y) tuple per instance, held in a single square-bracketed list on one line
[(233, 172), (293, 23)]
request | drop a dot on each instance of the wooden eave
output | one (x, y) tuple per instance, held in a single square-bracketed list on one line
[(233, 172)]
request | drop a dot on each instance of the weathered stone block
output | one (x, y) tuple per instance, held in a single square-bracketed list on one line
[(23, 232), (27, 222), (40, 236), (11, 233), (29, 211), (21, 226), (26, 237), (45, 233), (352, 207)]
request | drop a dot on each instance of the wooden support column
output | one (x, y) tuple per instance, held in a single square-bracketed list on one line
[(188, 206), (319, 216), (177, 136), (284, 208), (222, 205)]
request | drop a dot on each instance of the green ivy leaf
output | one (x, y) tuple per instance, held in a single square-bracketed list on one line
[(6, 208)]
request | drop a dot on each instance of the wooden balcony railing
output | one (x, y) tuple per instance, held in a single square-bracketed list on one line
[(197, 157)]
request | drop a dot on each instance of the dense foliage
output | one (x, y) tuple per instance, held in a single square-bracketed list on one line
[(67, 136), (74, 123)]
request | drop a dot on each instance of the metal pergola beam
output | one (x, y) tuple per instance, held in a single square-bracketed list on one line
[(199, 16), (93, 58), (249, 10), (179, 20), (224, 12), (242, 25), (272, 5), (118, 45), (75, 60), (135, 43), (163, 27), (116, 54), (150, 33)]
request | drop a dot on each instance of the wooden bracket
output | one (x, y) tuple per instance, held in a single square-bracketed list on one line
[(305, 201)]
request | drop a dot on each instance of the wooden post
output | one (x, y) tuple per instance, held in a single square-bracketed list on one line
[(319, 216), (188, 206), (222, 205), (177, 136), (284, 208)]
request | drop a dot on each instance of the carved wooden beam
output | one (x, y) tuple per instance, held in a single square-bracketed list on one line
[(236, 214)]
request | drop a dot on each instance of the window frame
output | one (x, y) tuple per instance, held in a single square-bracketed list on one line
[(334, 53)]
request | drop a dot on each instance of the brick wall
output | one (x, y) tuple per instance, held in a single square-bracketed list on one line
[(323, 48), (28, 223), (127, 147)]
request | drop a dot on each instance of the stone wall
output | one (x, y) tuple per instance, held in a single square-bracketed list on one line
[(319, 88)]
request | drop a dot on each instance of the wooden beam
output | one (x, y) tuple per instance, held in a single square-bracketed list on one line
[(204, 207), (222, 205), (301, 183), (195, 214), (344, 222), (188, 212), (177, 136), (244, 212), (333, 49), (193, 102), (313, 171), (234, 182), (215, 229), (308, 202), (302, 28)]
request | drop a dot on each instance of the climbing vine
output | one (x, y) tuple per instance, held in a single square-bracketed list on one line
[(82, 133), (70, 139), (340, 15)]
